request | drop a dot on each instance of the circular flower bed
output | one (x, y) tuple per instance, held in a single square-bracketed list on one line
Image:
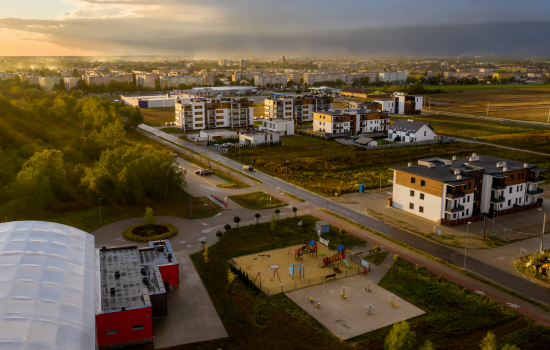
[(146, 232)]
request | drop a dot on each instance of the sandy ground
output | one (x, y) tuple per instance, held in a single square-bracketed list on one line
[(353, 308), (313, 274)]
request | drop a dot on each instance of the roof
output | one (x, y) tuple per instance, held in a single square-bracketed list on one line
[(358, 90), (443, 170), (47, 289), (364, 140), (408, 125)]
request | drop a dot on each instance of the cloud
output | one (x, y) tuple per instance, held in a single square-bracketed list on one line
[(305, 28)]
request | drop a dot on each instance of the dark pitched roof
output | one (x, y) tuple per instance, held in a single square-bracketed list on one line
[(358, 90), (407, 125)]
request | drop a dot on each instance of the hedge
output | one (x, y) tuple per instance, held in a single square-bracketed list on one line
[(172, 230)]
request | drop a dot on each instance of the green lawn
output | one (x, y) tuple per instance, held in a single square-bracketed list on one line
[(257, 200), (377, 258), (456, 318), (482, 87), (158, 116)]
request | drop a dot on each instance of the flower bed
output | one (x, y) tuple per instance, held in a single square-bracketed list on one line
[(146, 233)]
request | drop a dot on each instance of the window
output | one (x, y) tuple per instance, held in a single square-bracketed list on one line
[(424, 133), (111, 331), (468, 198), (519, 200), (138, 327), (421, 209), (454, 216), (422, 196), (510, 191), (198, 113), (422, 183), (509, 201), (412, 193), (413, 180), (411, 206), (469, 185), (521, 189), (198, 107), (512, 177), (517, 188), (467, 211)]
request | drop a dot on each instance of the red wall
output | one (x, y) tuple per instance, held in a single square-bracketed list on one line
[(170, 273), (123, 321)]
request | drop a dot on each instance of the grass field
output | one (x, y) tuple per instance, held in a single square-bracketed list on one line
[(158, 116), (257, 200), (507, 134), (327, 167), (514, 101), (456, 318), (377, 258), (484, 87)]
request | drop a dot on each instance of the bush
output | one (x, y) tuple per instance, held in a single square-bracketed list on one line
[(172, 231), (377, 248), (396, 257), (227, 227)]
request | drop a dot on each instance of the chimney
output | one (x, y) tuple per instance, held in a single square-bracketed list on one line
[(103, 248), (525, 165), (454, 157), (410, 164)]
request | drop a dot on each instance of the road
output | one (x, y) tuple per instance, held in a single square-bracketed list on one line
[(493, 273)]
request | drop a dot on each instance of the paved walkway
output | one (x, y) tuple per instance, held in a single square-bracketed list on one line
[(377, 272)]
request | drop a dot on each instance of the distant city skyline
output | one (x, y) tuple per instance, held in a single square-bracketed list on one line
[(294, 28)]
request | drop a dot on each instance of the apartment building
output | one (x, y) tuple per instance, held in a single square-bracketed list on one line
[(242, 63), (365, 93), (500, 76), (411, 131), (238, 76), (393, 77), (284, 127), (47, 83), (201, 113), (223, 62), (407, 104), (175, 81), (70, 82), (454, 192), (106, 79), (146, 80), (299, 108), (361, 120), (273, 79)]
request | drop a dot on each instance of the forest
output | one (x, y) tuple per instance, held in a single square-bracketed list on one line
[(61, 151)]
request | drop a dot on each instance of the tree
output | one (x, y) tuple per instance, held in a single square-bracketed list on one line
[(273, 226), (401, 337), (149, 216), (427, 346), (509, 347), (237, 220), (230, 278), (227, 227), (295, 211), (342, 233), (219, 234), (258, 216), (489, 342), (277, 211)]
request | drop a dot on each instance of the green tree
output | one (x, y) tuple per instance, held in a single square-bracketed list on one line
[(149, 216), (273, 226), (401, 337), (258, 216), (237, 220), (277, 212), (227, 227), (427, 346), (342, 232), (219, 234), (489, 342), (509, 347), (295, 211)]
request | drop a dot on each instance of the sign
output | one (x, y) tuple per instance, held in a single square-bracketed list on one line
[(300, 223), (365, 263), (323, 241), (439, 232)]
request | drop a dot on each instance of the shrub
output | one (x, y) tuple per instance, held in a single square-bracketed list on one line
[(227, 227), (396, 257), (172, 231), (219, 234), (377, 248)]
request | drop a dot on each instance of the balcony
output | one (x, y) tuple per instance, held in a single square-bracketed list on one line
[(456, 209), (458, 194), (498, 186), (535, 180), (535, 192), (498, 199)]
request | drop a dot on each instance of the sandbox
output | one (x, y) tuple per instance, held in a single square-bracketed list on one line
[(273, 281)]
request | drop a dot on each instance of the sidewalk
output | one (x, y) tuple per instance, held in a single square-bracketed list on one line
[(378, 272)]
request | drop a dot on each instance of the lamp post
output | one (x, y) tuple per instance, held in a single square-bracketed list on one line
[(99, 201), (355, 212), (466, 246), (542, 234), (286, 171)]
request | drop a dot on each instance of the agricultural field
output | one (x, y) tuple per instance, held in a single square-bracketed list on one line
[(532, 138), (327, 167), (519, 102), (158, 116)]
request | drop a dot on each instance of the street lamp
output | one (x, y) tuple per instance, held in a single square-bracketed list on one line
[(99, 201), (466, 246), (542, 234), (286, 171), (355, 213)]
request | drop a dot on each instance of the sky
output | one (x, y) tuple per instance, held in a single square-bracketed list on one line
[(244, 28)]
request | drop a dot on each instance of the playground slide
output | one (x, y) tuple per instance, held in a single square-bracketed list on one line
[(346, 262)]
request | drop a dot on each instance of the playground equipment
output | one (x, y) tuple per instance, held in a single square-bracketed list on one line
[(312, 248), (343, 293), (393, 300), (342, 320), (368, 287), (346, 263), (307, 248), (341, 254), (296, 268), (274, 267), (314, 302), (298, 254), (369, 309)]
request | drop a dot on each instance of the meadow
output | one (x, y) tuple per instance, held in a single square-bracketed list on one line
[(158, 116), (327, 167), (510, 101), (527, 137)]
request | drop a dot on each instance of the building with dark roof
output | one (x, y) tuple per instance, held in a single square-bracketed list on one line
[(365, 93), (411, 131), (457, 191)]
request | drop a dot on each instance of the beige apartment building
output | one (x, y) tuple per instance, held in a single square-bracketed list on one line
[(175, 81), (106, 79), (354, 121), (215, 113), (273, 79), (299, 108), (47, 83)]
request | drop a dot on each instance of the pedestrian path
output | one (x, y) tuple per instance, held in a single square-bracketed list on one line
[(377, 272)]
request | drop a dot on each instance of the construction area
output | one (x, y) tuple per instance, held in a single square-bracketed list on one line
[(298, 266), (353, 306)]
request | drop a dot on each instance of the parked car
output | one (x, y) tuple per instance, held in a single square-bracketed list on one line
[(174, 154), (248, 167), (203, 172)]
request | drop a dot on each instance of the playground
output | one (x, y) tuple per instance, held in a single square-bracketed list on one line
[(295, 267), (347, 308)]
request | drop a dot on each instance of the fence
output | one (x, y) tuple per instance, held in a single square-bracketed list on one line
[(398, 145)]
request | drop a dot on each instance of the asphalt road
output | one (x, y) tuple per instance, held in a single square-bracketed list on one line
[(506, 279)]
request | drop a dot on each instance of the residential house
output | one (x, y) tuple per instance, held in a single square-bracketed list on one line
[(411, 131)]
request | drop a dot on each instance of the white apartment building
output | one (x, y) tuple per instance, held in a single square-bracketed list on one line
[(299, 108), (332, 122), (411, 131), (257, 138), (393, 77), (202, 113), (47, 83), (407, 104), (354, 120), (175, 81), (283, 127), (273, 79), (454, 192)]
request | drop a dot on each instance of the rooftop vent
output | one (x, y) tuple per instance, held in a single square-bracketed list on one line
[(113, 290), (525, 165), (169, 256), (160, 248), (143, 271), (454, 157), (459, 177), (410, 164), (457, 172), (117, 274), (103, 248), (504, 168), (501, 164)]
